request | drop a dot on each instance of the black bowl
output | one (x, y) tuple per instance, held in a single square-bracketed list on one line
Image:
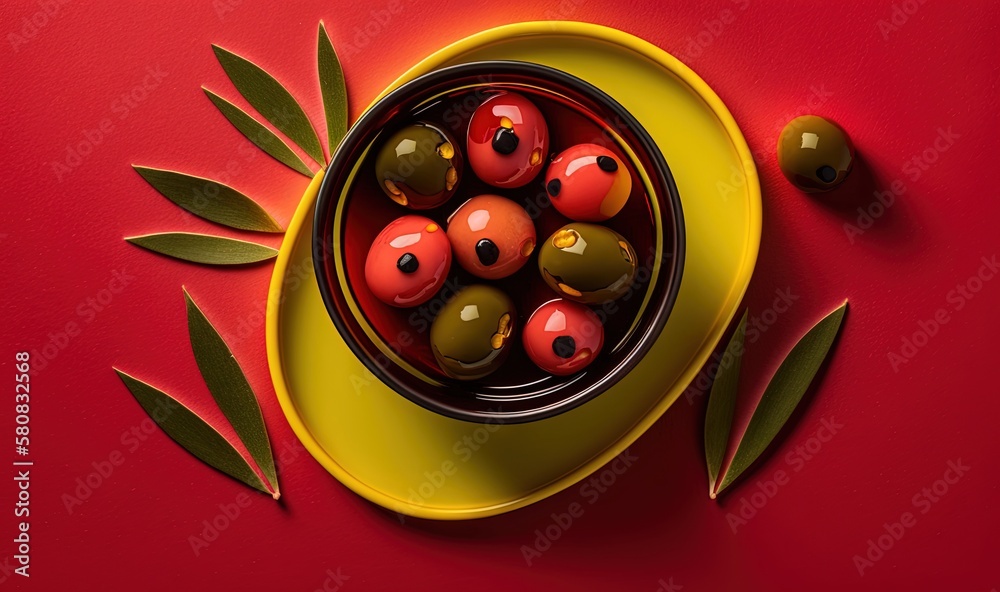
[(393, 343)]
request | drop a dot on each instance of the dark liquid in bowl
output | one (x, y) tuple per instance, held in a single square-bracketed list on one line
[(406, 330)]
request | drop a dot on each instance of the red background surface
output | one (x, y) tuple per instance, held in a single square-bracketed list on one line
[(62, 241)]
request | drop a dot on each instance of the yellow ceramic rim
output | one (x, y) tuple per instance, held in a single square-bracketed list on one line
[(478, 40)]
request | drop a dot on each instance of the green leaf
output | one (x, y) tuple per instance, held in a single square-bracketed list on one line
[(204, 248), (260, 135), (192, 432), (334, 90), (784, 392), (229, 387), (722, 404), (271, 100), (210, 200)]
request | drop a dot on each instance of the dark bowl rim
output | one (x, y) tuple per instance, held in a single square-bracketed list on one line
[(323, 249)]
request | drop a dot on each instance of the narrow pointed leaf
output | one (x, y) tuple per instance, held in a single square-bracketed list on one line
[(784, 392), (192, 432), (271, 100), (334, 90), (260, 135), (204, 248), (722, 404), (229, 387), (210, 200)]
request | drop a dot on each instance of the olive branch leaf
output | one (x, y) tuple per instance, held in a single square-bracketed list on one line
[(221, 204), (210, 200), (232, 393), (271, 100), (204, 248), (781, 396)]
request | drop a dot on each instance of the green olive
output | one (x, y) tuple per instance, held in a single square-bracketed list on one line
[(471, 335), (418, 166), (814, 153), (587, 263)]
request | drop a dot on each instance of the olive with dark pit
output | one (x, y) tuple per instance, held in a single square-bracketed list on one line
[(408, 261), (492, 236), (814, 154), (563, 337), (588, 183), (507, 141), (471, 336)]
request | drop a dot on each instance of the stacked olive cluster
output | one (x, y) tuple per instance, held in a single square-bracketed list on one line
[(420, 168)]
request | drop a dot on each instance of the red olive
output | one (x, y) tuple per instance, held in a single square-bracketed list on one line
[(508, 140), (492, 236), (408, 261), (588, 183), (563, 337)]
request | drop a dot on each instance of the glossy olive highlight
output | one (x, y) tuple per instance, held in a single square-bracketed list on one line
[(814, 153), (471, 335), (587, 263), (418, 166)]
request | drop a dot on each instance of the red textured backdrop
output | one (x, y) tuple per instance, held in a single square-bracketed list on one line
[(914, 83)]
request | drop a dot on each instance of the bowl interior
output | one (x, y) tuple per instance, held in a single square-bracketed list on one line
[(394, 342)]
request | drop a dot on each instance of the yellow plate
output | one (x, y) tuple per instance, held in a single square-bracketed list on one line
[(415, 462)]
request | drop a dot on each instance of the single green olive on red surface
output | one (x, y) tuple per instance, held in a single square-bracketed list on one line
[(814, 153), (419, 166), (471, 336), (587, 263)]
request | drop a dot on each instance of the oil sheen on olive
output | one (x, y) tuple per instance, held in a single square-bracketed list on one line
[(471, 336), (814, 154), (587, 263), (563, 337), (588, 183), (418, 166), (492, 236)]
